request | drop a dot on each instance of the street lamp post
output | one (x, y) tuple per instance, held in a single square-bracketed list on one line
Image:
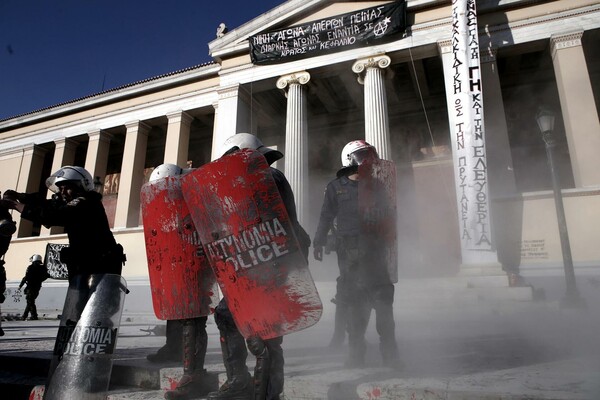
[(545, 121)]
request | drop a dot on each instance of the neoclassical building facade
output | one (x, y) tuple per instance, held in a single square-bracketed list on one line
[(308, 97)]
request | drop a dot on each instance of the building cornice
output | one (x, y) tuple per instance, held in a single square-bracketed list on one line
[(112, 96)]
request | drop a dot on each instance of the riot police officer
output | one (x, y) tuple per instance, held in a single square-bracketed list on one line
[(268, 372), (364, 283), (188, 336), (78, 208), (34, 276)]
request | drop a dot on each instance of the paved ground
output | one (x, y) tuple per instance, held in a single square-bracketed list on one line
[(450, 349)]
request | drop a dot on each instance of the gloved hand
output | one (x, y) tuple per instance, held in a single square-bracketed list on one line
[(318, 253)]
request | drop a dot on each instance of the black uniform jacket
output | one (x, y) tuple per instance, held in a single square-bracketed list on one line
[(341, 202), (92, 246)]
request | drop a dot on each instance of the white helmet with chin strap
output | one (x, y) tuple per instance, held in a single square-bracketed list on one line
[(357, 151), (78, 176), (164, 170), (249, 141)]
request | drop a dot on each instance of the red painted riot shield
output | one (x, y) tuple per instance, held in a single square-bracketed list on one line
[(377, 205), (182, 282), (251, 245)]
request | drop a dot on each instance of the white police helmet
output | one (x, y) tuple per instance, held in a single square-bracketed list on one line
[(164, 170), (77, 175), (357, 151), (249, 141)]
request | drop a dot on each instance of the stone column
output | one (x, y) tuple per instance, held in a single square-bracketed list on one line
[(377, 126), (296, 139), (64, 154), (234, 116), (127, 213), (470, 172), (29, 178), (178, 138), (96, 159), (578, 107), (506, 215)]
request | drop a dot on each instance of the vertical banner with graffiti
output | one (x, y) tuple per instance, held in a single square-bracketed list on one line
[(467, 129)]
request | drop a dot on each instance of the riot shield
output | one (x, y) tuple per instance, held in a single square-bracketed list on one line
[(377, 205), (182, 282), (56, 268), (251, 245), (87, 336)]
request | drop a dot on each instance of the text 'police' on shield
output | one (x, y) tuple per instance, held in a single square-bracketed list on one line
[(85, 340), (256, 245)]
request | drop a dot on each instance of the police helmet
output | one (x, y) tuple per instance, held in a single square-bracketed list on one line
[(35, 257), (79, 176), (249, 141), (356, 152), (164, 170)]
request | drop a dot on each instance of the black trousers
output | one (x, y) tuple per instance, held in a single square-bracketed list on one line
[(365, 286)]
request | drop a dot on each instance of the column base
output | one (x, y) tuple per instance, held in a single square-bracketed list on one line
[(484, 275)]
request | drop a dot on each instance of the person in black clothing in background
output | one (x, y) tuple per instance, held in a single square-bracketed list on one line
[(34, 276), (364, 282)]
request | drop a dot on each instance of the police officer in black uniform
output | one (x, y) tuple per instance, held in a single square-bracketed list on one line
[(364, 283), (78, 208), (34, 276), (268, 372), (187, 339)]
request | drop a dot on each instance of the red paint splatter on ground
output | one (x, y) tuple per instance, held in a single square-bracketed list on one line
[(172, 383), (374, 394)]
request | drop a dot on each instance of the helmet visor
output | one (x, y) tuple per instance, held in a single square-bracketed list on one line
[(362, 155)]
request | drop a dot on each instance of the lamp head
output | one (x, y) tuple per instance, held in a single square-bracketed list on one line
[(545, 120)]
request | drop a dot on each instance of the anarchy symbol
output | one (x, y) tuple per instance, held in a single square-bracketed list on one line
[(381, 27)]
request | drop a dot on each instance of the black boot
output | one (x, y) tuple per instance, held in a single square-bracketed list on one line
[(172, 351), (340, 327), (192, 386), (262, 368), (239, 381), (195, 382)]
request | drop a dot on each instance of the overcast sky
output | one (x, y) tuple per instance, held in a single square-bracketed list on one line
[(53, 51)]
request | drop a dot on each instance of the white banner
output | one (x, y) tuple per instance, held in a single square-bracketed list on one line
[(467, 129)]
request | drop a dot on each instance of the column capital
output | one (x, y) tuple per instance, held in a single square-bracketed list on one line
[(300, 78), (445, 46), (101, 135), (564, 41), (228, 91), (180, 116), (140, 126), (377, 61), (65, 142)]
